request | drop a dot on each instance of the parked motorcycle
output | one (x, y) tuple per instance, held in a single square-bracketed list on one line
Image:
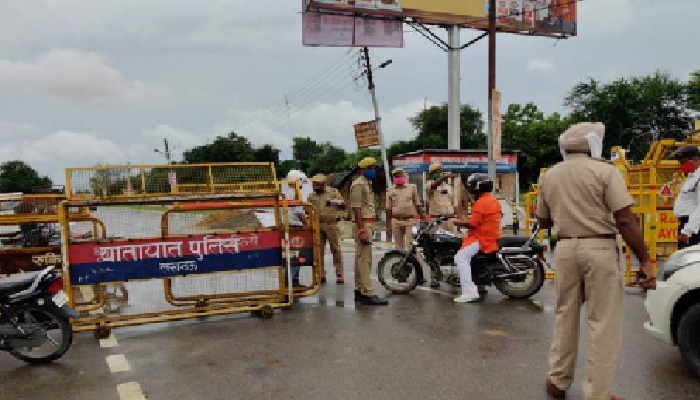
[(517, 269), (34, 316)]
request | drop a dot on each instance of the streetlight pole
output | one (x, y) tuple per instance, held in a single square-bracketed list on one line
[(166, 153), (370, 86)]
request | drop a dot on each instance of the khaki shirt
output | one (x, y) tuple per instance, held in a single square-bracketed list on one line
[(361, 196), (580, 196), (327, 213), (441, 199), (403, 201)]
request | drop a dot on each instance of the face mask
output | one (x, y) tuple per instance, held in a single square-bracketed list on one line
[(400, 180), (370, 173), (436, 175), (687, 167)]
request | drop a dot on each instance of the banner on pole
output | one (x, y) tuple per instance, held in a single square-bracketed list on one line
[(366, 134), (496, 121)]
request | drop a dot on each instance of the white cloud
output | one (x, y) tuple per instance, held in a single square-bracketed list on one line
[(541, 66), (71, 74)]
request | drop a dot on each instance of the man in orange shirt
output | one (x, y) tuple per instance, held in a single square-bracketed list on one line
[(484, 232)]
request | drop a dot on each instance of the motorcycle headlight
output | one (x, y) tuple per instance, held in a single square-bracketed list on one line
[(678, 261)]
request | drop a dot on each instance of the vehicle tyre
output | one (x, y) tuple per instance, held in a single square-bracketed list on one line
[(689, 338), (396, 276), (38, 319), (533, 283)]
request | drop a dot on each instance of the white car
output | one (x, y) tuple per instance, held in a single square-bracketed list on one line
[(674, 306)]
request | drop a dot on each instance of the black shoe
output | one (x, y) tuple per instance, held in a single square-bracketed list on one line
[(483, 291), (323, 279), (374, 301), (295, 282), (434, 284), (359, 296)]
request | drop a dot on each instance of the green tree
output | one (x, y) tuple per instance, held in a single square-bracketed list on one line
[(230, 148), (329, 159), (635, 111), (267, 153), (284, 167), (694, 91), (18, 176), (304, 151), (535, 134), (431, 123)]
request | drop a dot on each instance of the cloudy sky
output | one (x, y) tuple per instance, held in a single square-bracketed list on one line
[(85, 81)]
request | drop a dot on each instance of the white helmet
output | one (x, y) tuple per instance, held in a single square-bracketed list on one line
[(296, 175)]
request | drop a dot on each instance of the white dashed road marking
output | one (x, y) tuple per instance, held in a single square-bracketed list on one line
[(118, 363), (111, 341), (130, 391)]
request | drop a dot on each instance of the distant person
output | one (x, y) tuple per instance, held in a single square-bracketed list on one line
[(687, 205), (328, 201), (403, 209)]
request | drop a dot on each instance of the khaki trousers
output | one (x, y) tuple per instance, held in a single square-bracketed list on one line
[(403, 233), (363, 262), (331, 233), (588, 271)]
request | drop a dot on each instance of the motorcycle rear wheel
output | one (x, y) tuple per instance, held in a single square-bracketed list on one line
[(397, 277), (517, 290), (47, 322)]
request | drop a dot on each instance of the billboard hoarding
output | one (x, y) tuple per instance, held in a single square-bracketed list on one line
[(330, 30), (538, 17)]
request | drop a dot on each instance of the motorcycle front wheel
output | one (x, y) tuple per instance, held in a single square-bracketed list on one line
[(43, 323), (527, 287), (397, 274)]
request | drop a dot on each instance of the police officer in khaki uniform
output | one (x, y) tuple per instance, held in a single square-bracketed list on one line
[(441, 194), (402, 205), (327, 201), (363, 214), (586, 200)]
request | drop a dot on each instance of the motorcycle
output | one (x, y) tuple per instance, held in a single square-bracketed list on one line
[(517, 269), (34, 316)]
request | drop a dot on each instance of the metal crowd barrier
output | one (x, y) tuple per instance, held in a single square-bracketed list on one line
[(130, 181), (178, 257)]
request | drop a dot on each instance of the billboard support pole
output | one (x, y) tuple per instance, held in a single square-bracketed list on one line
[(492, 87), (370, 86), (453, 83)]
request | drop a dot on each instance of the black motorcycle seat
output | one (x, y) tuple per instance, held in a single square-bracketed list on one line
[(486, 256), (16, 282), (512, 241)]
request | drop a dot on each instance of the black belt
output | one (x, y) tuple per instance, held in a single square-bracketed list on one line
[(604, 236)]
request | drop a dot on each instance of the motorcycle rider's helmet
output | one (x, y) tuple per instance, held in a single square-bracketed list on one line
[(479, 183)]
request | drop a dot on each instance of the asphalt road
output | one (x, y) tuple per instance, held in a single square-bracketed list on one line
[(421, 346)]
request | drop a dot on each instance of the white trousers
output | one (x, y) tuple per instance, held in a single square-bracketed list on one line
[(463, 259)]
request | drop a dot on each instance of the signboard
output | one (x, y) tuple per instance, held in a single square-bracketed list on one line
[(667, 231), (172, 178), (666, 191), (539, 17), (496, 121), (119, 261), (366, 134), (338, 30), (456, 162)]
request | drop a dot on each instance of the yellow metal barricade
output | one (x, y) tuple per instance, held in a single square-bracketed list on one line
[(144, 181), (180, 257), (30, 232)]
